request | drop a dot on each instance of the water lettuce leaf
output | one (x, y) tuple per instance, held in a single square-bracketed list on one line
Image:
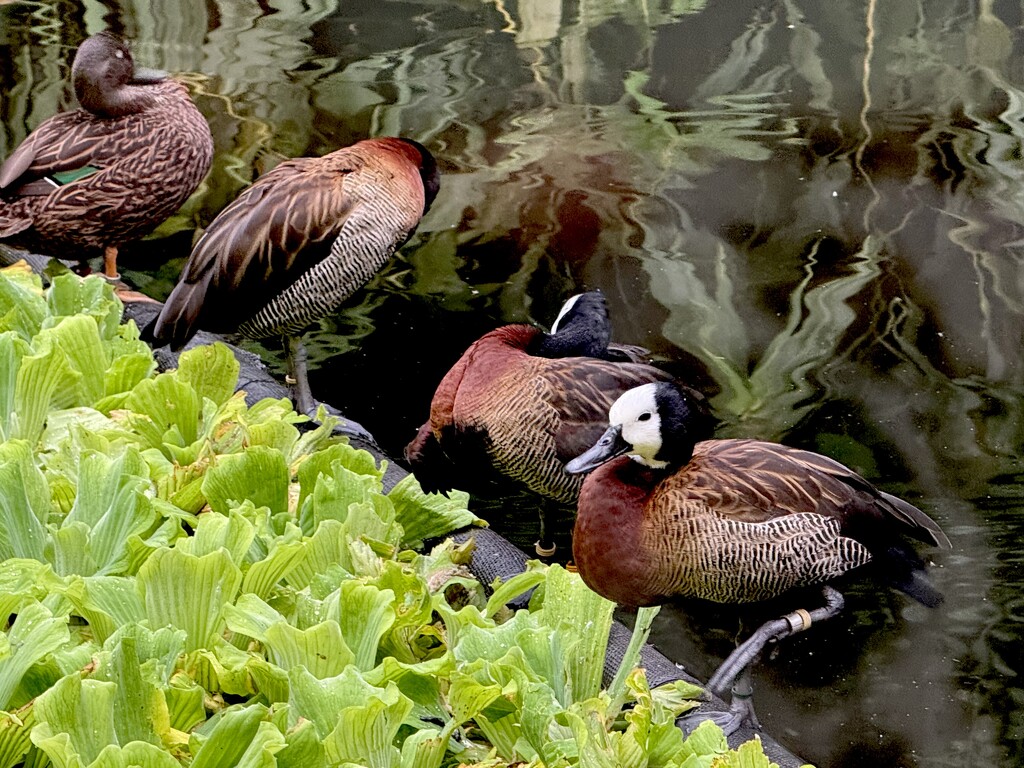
[(35, 633), (25, 504), (425, 516), (189, 592)]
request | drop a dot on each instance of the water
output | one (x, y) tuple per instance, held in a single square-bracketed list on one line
[(811, 210)]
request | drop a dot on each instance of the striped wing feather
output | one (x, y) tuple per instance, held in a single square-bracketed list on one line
[(581, 391), (753, 481), (274, 231), (540, 419), (64, 142)]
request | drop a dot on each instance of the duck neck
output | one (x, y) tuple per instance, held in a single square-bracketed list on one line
[(112, 102), (608, 534), (575, 340)]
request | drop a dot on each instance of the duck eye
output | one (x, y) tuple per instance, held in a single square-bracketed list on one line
[(119, 54), (645, 416)]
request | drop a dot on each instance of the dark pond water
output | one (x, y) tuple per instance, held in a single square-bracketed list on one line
[(812, 210)]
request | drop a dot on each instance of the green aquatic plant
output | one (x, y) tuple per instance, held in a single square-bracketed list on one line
[(188, 580)]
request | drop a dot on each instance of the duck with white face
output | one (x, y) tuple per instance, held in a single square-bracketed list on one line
[(667, 512)]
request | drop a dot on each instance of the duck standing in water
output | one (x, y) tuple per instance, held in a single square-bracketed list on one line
[(87, 181), (298, 242), (520, 402), (666, 513)]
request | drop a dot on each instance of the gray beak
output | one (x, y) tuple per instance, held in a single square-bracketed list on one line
[(146, 76), (606, 448)]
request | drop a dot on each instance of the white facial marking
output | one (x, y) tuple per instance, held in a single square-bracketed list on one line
[(119, 54), (569, 303), (637, 413)]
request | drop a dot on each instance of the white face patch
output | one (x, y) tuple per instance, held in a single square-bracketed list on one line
[(636, 411), (566, 308)]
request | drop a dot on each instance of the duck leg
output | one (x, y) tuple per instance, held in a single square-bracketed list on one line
[(297, 375), (545, 545), (110, 264), (734, 672)]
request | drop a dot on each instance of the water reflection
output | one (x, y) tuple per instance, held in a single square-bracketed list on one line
[(812, 209)]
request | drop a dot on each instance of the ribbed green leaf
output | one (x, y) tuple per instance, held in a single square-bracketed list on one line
[(106, 602), (189, 592), (327, 547), (92, 296), (304, 748), (210, 369), (259, 475), (502, 594), (22, 305), (320, 700), (264, 575), (185, 700), (321, 649), (468, 698), (365, 733), (13, 349), (110, 507), (76, 720), (420, 682), (426, 516), (229, 737), (40, 376), (583, 619), (24, 503), (79, 339), (365, 615), (423, 749), (34, 634), (125, 371), (279, 435), (168, 412), (15, 728), (25, 581), (231, 532), (138, 754)]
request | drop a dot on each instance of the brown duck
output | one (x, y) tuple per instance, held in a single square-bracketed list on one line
[(90, 180), (298, 242), (665, 513), (520, 402)]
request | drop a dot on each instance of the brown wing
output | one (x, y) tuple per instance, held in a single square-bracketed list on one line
[(257, 246), (64, 142), (754, 481), (582, 391)]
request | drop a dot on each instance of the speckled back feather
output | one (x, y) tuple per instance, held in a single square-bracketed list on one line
[(149, 163)]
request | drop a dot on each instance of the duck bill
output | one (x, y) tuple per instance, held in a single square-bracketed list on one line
[(147, 76), (605, 449)]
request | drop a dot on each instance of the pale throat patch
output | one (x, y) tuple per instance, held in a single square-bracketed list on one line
[(636, 411)]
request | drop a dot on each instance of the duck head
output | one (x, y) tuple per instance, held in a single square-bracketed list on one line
[(429, 173), (654, 424), (582, 329), (107, 82)]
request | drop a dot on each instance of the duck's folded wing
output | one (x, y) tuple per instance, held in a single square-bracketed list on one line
[(256, 247), (60, 144), (581, 390)]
